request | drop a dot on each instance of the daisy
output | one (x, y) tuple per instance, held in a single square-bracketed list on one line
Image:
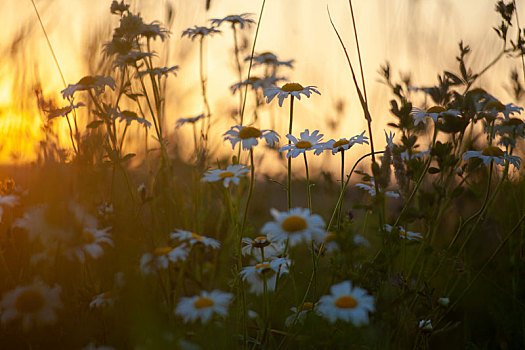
[(34, 304), (425, 325), (342, 144), (404, 234), (98, 83), (307, 142), (90, 243), (9, 200), (297, 225), (299, 314), (493, 153), (192, 239), (203, 306), (265, 271), (103, 300), (92, 346), (257, 83), (360, 240), (330, 242), (248, 136), (242, 20), (434, 112), (371, 189), (269, 59), (128, 117), (443, 301), (161, 257), (232, 174), (294, 89), (414, 154), (350, 304), (196, 31), (507, 110), (64, 111), (159, 72), (191, 120), (254, 246)]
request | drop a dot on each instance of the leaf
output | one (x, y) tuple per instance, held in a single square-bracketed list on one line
[(433, 170)]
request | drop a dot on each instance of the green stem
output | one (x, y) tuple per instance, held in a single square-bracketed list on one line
[(289, 182), (308, 194)]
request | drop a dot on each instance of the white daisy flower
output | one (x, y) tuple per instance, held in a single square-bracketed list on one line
[(191, 120), (443, 301), (404, 234), (192, 239), (297, 225), (330, 242), (103, 300), (9, 200), (299, 314), (350, 304), (248, 136), (414, 154), (98, 83), (34, 304), (203, 306), (242, 20), (159, 72), (371, 189), (150, 263), (267, 271), (425, 325), (90, 243), (306, 142), (360, 240), (253, 247), (342, 144), (92, 346), (196, 31), (232, 174), (493, 153), (434, 112), (507, 110), (294, 89), (64, 111), (269, 59), (257, 83)]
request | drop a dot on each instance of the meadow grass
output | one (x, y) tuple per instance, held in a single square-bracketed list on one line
[(426, 251)]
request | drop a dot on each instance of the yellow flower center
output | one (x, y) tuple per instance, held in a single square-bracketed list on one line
[(340, 143), (436, 109), (196, 236), (346, 302), (330, 237), (29, 301), (249, 132), (303, 145), (495, 105), (262, 266), (162, 251), (226, 174), (109, 294), (403, 233), (260, 242), (289, 87), (294, 223), (203, 302), (492, 151), (307, 306), (87, 80), (264, 270), (513, 122)]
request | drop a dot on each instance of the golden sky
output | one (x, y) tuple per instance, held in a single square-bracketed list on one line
[(417, 36)]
